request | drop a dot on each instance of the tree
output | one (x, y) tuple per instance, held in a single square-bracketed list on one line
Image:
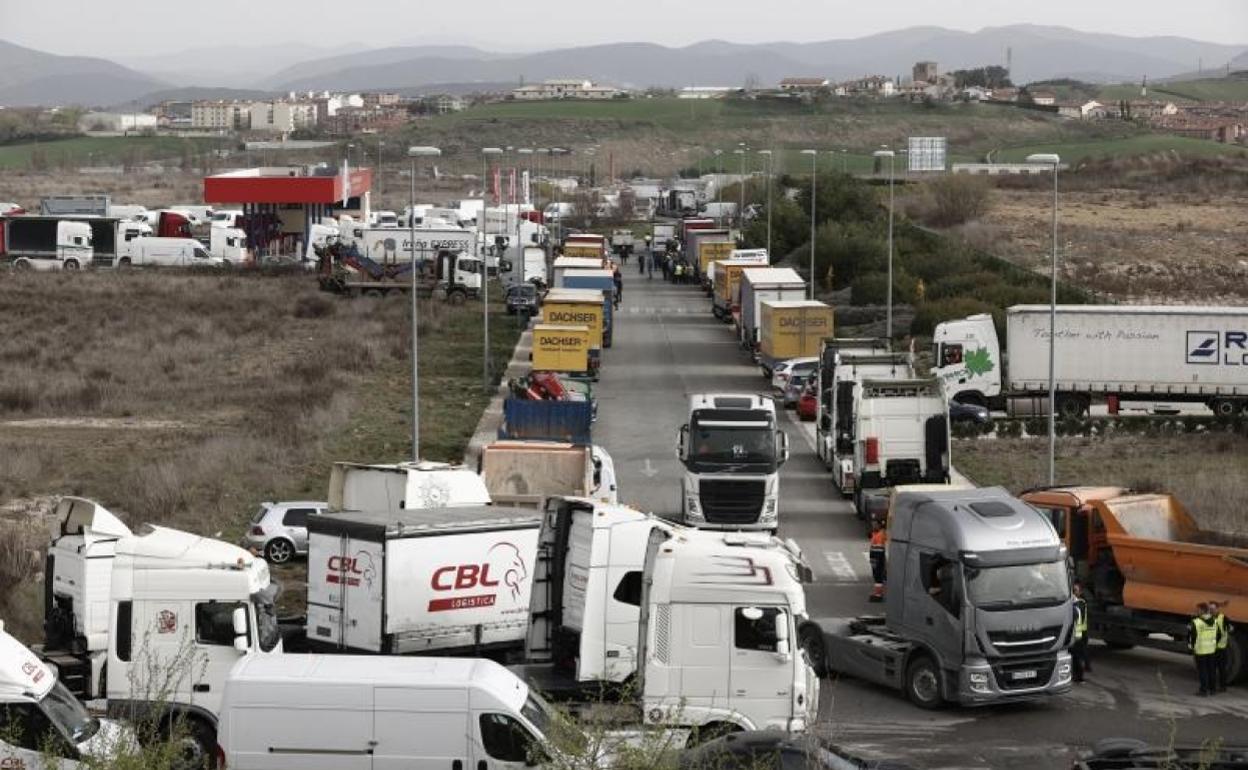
[(988, 77)]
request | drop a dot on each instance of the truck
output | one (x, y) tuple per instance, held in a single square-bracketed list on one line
[(831, 349), (1114, 353), (726, 282), (586, 245), (524, 474), (568, 421), (152, 621), (732, 450), (528, 267), (1145, 563), (439, 580), (978, 607), (113, 240), (343, 269), (400, 486), (622, 242), (853, 368), (562, 265), (85, 205), (900, 436), (791, 329), (579, 307), (707, 246), (772, 284), (44, 718), (45, 243), (602, 281), (565, 348)]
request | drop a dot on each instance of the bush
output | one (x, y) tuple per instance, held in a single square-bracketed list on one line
[(956, 199), (313, 306), (928, 314), (872, 288)]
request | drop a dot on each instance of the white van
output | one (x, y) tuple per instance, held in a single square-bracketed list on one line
[(174, 252), (347, 712)]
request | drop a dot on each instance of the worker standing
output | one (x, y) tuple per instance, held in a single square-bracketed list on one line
[(1224, 629), (619, 287), (1079, 648), (1202, 639), (645, 257), (877, 556)]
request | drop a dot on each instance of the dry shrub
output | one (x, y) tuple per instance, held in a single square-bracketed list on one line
[(313, 306), (956, 199)]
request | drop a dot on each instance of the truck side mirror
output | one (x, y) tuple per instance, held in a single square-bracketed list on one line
[(238, 618), (682, 437), (782, 446), (783, 651)]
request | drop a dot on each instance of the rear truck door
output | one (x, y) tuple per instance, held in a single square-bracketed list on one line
[(547, 585), (345, 591), (579, 559), (761, 680)]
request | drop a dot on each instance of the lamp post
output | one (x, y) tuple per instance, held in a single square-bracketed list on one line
[(413, 153), (741, 206), (886, 153), (814, 170), (1053, 160), (844, 161), (767, 154), (521, 151), (719, 186), (486, 152), (381, 177)]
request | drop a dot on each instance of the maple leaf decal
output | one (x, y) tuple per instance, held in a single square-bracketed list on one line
[(978, 361)]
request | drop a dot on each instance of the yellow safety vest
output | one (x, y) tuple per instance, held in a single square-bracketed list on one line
[(1219, 624), (1081, 618), (1206, 636)]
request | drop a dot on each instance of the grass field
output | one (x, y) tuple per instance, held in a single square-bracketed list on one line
[(1205, 89), (1112, 147), (102, 150), (185, 400), (1206, 472)]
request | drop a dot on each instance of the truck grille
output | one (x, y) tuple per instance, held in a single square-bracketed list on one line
[(1023, 675), (732, 502), (1029, 641)]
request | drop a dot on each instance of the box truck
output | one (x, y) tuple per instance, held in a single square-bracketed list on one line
[(1118, 353), (565, 348), (527, 266), (726, 282), (978, 608), (587, 246), (759, 285), (732, 451), (602, 281), (398, 486), (420, 581), (562, 265), (165, 613), (1145, 563), (568, 421), (45, 243), (791, 329), (900, 436), (523, 474), (578, 307)]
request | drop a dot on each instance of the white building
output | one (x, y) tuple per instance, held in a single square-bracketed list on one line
[(117, 122), (564, 89), (221, 115)]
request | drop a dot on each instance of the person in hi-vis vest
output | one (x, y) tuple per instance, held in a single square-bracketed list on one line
[(1202, 640)]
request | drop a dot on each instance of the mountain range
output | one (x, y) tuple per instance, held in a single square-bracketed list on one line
[(1034, 53)]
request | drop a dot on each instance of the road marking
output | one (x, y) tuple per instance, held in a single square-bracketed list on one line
[(648, 470), (808, 435), (841, 568)]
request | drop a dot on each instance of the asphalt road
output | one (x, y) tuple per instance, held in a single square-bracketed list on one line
[(668, 345)]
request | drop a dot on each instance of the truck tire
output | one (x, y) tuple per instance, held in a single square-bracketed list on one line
[(1117, 748), (72, 265), (22, 264), (456, 298), (196, 743), (810, 637), (1225, 407), (923, 683), (1237, 658), (123, 262)]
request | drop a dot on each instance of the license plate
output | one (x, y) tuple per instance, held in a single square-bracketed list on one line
[(1017, 675)]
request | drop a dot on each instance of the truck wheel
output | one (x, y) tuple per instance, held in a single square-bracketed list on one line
[(1071, 407), (22, 265), (123, 262), (455, 298), (811, 639), (72, 265), (1225, 407), (195, 744), (1237, 657), (923, 683)]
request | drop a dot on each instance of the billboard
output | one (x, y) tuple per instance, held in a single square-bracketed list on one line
[(927, 153)]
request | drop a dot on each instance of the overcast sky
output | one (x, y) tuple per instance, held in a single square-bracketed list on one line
[(132, 28)]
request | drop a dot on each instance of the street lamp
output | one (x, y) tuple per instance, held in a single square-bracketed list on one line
[(767, 154), (522, 151), (741, 206), (413, 153), (719, 186), (1051, 159), (844, 161), (486, 152), (890, 155), (814, 170), (381, 179)]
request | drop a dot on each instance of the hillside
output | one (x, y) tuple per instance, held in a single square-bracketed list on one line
[(30, 77)]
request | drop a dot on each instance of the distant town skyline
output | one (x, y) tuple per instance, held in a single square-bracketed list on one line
[(138, 28)]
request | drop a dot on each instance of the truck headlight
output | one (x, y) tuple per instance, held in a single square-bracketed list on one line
[(691, 507), (978, 681), (769, 511), (1063, 671)]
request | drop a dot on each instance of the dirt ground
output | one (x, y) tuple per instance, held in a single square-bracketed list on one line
[(1131, 245)]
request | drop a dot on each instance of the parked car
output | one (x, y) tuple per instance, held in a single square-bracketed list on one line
[(793, 389), (785, 369), (279, 531), (808, 404), (777, 750), (522, 298), (963, 412)]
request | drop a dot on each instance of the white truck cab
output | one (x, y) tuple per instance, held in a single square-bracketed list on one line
[(900, 435), (732, 451), (967, 359)]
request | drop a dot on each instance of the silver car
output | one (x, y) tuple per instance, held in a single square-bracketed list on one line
[(279, 531)]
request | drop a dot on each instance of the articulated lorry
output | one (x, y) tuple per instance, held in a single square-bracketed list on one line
[(770, 284), (345, 269), (732, 450), (726, 281), (791, 329), (1115, 353), (45, 243), (1145, 563), (163, 613), (579, 307), (836, 444), (977, 610), (900, 436)]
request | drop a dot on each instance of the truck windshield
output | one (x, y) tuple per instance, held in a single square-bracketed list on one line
[(1018, 586), (723, 443), (68, 714), (267, 632)]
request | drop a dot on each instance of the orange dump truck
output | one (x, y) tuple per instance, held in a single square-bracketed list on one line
[(1145, 564)]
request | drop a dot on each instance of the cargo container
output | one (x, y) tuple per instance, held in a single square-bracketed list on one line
[(1115, 353), (726, 280), (1145, 563), (587, 245), (523, 474), (576, 307), (413, 581), (602, 281), (791, 329), (759, 285), (563, 264), (562, 348), (706, 246)]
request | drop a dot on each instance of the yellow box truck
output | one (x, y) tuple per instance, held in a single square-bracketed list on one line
[(558, 348), (711, 250), (791, 329), (727, 278), (576, 307)]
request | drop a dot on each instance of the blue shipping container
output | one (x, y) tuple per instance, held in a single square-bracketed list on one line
[(547, 420)]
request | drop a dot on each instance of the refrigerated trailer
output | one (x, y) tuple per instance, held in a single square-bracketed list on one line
[(1114, 353)]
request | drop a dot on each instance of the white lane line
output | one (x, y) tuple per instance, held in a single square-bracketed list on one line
[(808, 435), (840, 566)]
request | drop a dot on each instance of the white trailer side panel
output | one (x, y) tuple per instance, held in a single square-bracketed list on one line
[(345, 591), (1117, 349)]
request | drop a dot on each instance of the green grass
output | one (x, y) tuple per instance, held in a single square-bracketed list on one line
[(101, 150), (1206, 89), (1144, 144)]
